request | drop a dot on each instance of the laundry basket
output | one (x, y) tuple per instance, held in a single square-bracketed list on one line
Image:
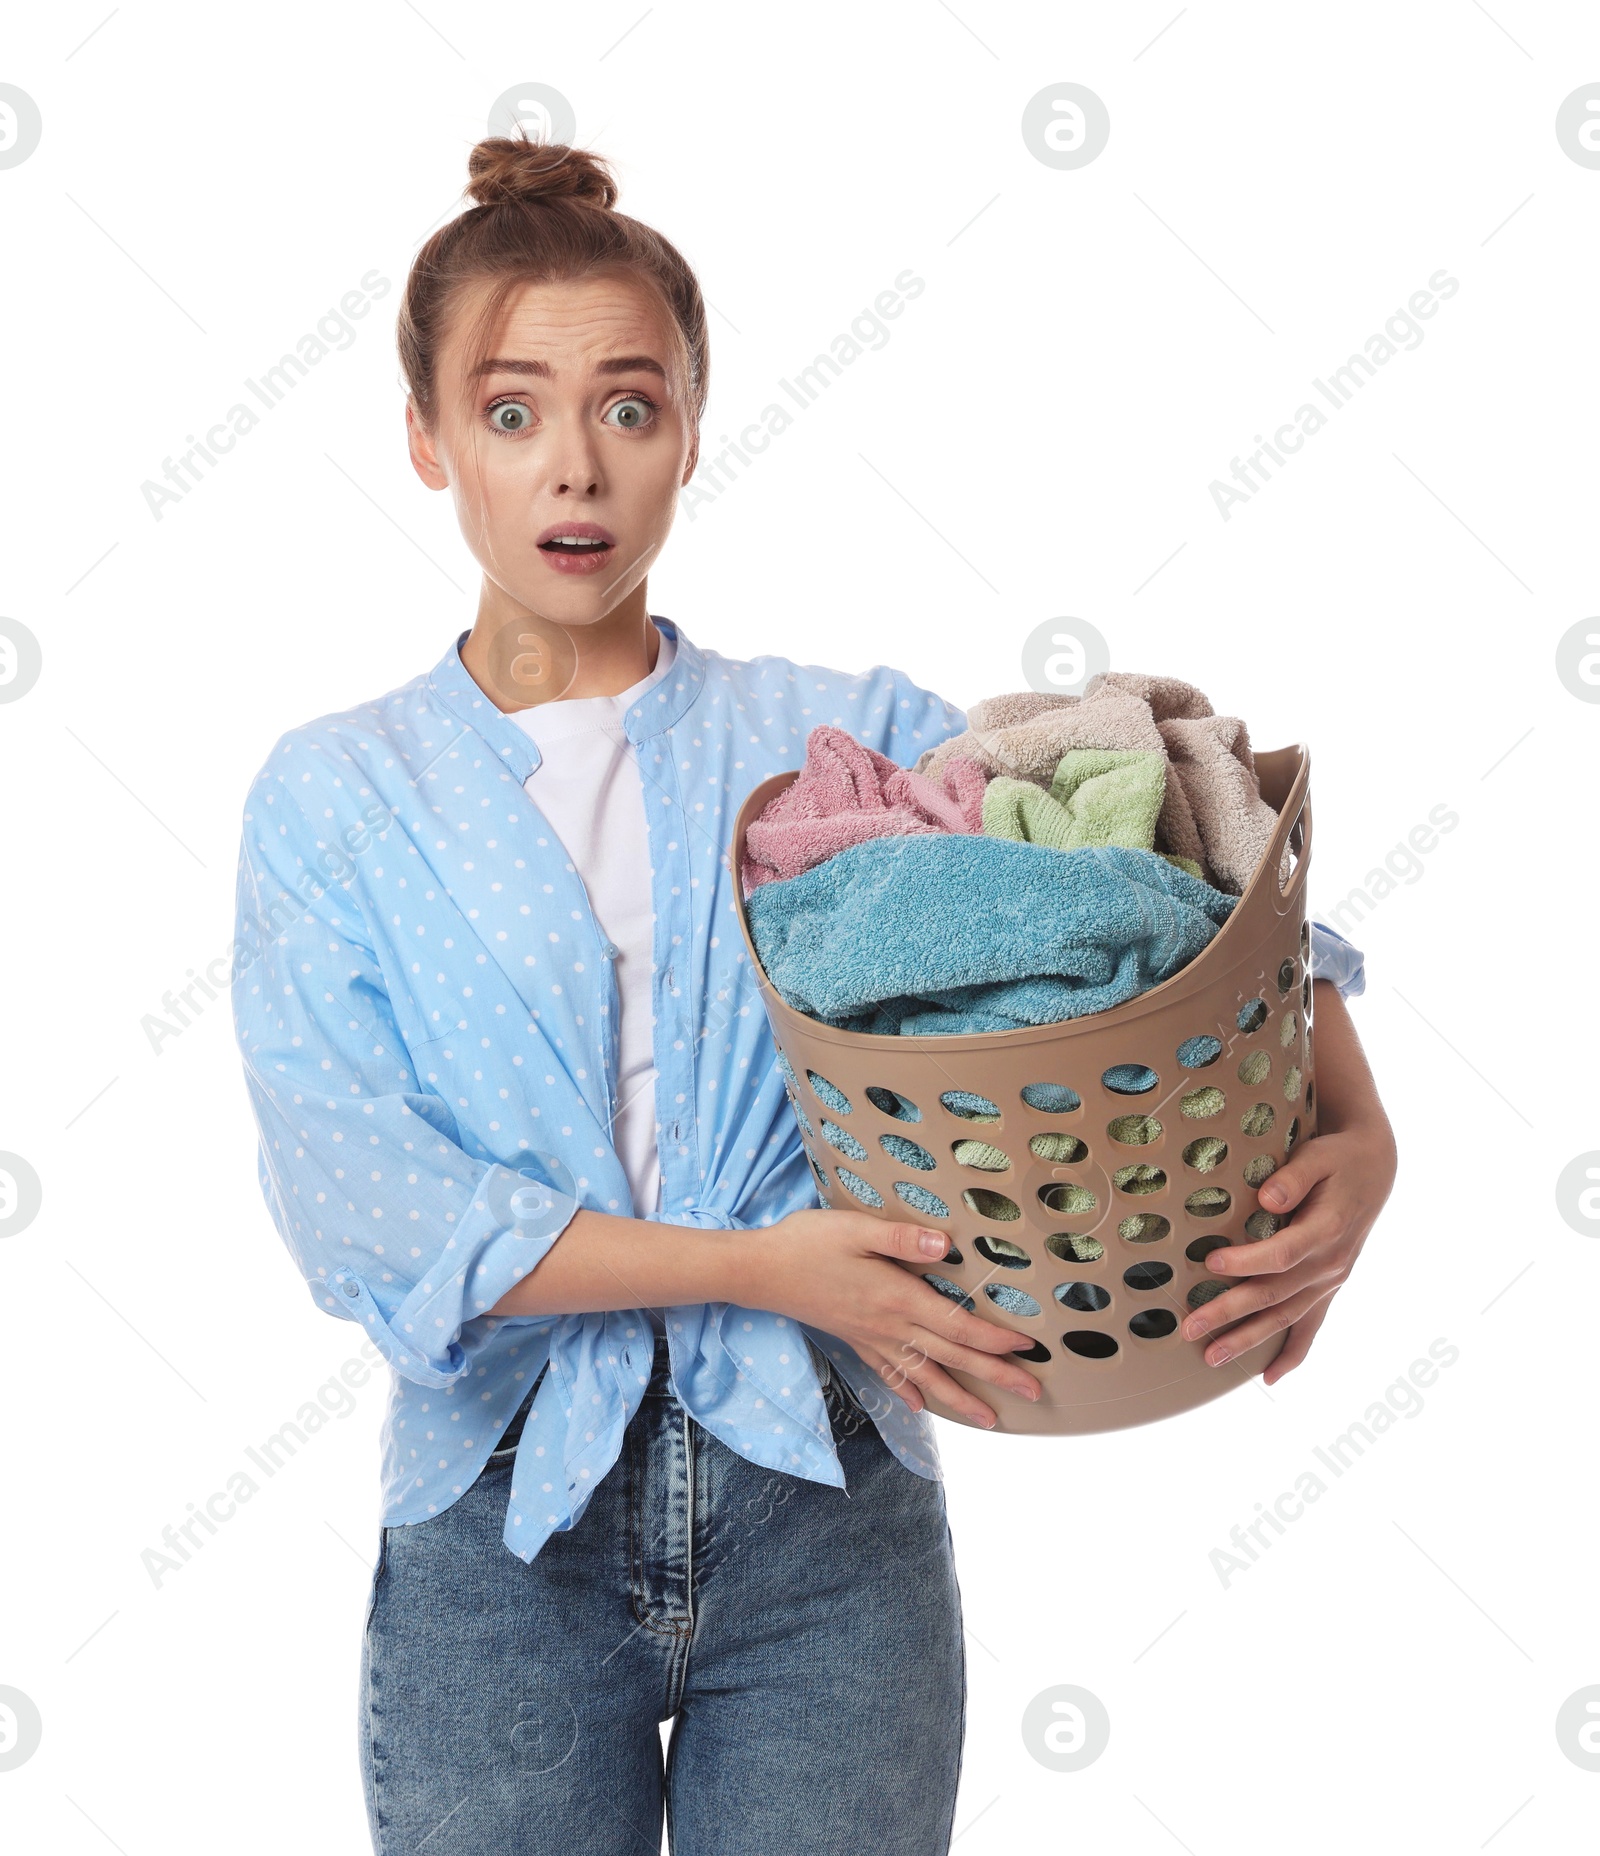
[(1084, 1170)]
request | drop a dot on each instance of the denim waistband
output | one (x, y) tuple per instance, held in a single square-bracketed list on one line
[(660, 1371)]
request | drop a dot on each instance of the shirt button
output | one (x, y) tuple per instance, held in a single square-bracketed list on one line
[(352, 1288)]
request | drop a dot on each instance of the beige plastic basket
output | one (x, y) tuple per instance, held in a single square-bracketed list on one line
[(1145, 1180)]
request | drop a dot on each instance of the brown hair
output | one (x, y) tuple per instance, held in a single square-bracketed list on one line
[(543, 214)]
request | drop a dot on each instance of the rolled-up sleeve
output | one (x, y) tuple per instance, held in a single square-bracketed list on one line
[(390, 1221), (1338, 960)]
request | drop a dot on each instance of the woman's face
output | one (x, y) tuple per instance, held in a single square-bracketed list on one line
[(575, 423)]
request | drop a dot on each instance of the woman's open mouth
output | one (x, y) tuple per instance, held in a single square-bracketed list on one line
[(577, 547)]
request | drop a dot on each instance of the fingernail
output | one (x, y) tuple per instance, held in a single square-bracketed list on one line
[(1197, 1328), (1273, 1195), (1218, 1357), (931, 1244)]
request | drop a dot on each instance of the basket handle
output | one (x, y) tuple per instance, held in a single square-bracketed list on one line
[(1284, 777), (1299, 842)]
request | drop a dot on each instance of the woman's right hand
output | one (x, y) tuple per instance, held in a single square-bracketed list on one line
[(835, 1271)]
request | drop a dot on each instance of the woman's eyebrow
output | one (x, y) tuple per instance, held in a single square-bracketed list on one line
[(619, 364)]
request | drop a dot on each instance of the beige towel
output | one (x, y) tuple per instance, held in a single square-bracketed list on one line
[(1212, 811)]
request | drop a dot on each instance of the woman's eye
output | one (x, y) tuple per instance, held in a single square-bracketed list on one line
[(634, 412), (510, 416)]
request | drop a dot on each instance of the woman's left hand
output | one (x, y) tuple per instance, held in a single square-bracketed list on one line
[(1335, 1185)]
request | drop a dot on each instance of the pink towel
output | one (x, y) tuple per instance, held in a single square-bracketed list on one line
[(846, 793)]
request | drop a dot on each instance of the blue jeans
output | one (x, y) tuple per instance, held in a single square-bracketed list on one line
[(805, 1642)]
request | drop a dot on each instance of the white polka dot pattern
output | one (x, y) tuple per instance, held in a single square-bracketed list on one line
[(425, 1008)]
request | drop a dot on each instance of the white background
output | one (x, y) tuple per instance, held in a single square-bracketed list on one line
[(1036, 439)]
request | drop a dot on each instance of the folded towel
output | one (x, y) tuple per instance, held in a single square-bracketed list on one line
[(846, 793), (940, 933), (1098, 796), (1212, 812)]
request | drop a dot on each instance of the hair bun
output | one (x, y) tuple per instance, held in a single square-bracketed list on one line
[(513, 171)]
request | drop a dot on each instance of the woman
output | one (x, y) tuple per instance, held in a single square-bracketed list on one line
[(656, 1445)]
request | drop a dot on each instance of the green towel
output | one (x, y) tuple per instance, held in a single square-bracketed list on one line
[(980, 1154), (1098, 796)]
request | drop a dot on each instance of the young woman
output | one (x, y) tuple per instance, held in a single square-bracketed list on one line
[(656, 1445)]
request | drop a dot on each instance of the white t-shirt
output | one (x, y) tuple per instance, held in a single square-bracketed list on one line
[(587, 785)]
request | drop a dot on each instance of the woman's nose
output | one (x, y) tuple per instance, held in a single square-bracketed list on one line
[(574, 458)]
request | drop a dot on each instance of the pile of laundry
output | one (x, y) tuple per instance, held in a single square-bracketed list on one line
[(1061, 856)]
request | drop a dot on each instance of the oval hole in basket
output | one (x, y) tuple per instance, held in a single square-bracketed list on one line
[(823, 1185), (1139, 1179), (1305, 989), (1286, 976), (1038, 1352), (1255, 1068), (891, 1102), (836, 1099), (907, 1152), (1059, 1149), (945, 1287), (1199, 1248), (1196, 1052), (1252, 1015), (1257, 1120), (1259, 1169), (983, 1155), (1089, 1344), (1291, 1134), (1206, 1154), (992, 1205), (1286, 1030), (1134, 1130), (1129, 1079), (1001, 1250), (920, 1199), (1261, 1225), (1208, 1202), (1067, 1200), (1083, 1298), (1147, 1276), (969, 1105), (860, 1188), (1291, 1082), (1013, 1301), (1052, 1098), (794, 1101), (847, 1144), (1144, 1228), (1152, 1323), (1204, 1292), (1202, 1104), (1067, 1248), (1305, 939), (1309, 1088)]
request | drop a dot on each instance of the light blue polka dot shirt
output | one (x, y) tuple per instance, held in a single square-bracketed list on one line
[(427, 1010)]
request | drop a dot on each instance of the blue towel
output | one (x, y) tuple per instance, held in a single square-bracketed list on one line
[(937, 933)]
